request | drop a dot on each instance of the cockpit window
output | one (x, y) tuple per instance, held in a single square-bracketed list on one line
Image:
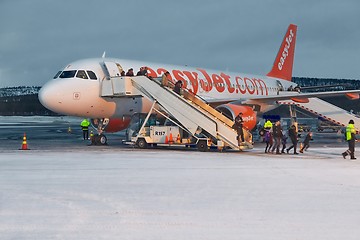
[(92, 75), (57, 75), (81, 74), (68, 74)]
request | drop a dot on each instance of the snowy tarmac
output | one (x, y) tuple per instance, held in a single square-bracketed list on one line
[(64, 189)]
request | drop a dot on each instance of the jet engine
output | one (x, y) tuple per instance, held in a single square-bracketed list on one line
[(232, 110)]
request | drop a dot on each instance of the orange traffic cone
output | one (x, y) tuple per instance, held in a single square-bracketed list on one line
[(24, 144), (166, 139), (171, 140)]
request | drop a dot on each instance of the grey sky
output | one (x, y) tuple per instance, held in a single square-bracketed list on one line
[(38, 37)]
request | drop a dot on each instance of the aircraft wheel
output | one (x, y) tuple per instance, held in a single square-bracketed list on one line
[(202, 146), (141, 143), (102, 139)]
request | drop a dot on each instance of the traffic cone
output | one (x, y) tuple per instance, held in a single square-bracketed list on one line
[(171, 140), (166, 139), (24, 144), (178, 140)]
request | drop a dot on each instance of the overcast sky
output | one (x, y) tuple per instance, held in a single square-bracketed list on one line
[(38, 37)]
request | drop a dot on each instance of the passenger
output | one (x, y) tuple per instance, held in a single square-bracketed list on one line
[(142, 72), (85, 128), (238, 126), (178, 86), (277, 134), (130, 72), (306, 142), (294, 139), (122, 73), (166, 78), (350, 138), (268, 140)]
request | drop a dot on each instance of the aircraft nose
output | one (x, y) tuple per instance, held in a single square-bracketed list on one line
[(49, 96)]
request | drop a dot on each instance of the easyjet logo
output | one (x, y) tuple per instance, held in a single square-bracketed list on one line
[(285, 51), (202, 81), (248, 118)]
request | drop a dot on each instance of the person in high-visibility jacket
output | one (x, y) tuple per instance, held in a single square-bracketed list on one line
[(351, 139), (85, 128)]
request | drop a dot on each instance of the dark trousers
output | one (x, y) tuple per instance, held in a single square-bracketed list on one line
[(240, 133), (351, 150), (86, 134), (276, 144), (294, 145)]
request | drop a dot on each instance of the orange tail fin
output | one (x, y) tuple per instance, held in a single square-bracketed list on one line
[(284, 60)]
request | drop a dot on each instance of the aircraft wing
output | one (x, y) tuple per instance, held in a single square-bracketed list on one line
[(295, 96)]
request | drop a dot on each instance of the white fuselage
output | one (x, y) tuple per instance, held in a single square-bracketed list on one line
[(79, 95)]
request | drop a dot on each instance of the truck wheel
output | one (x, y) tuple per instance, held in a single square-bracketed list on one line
[(202, 146), (141, 143)]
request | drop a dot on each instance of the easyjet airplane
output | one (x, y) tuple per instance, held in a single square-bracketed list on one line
[(76, 90)]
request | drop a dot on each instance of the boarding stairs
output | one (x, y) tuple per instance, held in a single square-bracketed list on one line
[(191, 111), (327, 111)]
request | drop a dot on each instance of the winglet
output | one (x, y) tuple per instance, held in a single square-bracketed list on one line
[(103, 56), (284, 60)]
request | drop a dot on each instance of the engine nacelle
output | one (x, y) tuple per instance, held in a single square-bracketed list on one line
[(232, 110), (114, 125)]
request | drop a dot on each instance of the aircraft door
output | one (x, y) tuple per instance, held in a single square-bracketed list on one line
[(112, 69)]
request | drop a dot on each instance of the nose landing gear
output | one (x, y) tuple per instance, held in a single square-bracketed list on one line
[(99, 125)]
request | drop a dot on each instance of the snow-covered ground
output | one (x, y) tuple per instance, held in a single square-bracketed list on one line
[(125, 193)]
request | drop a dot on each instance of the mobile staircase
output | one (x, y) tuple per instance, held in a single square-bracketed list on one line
[(327, 111), (191, 111)]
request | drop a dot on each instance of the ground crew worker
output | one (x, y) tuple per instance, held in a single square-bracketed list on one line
[(350, 138), (85, 128)]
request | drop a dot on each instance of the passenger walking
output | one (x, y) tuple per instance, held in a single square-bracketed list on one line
[(283, 141), (85, 128), (130, 72), (178, 86), (142, 71), (238, 124), (306, 143), (293, 137), (351, 139), (166, 79), (277, 134), (268, 140)]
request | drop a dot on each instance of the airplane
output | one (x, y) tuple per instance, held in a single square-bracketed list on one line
[(76, 90)]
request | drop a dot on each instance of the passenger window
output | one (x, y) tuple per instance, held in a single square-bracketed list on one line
[(57, 75), (81, 74), (92, 75), (68, 74)]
